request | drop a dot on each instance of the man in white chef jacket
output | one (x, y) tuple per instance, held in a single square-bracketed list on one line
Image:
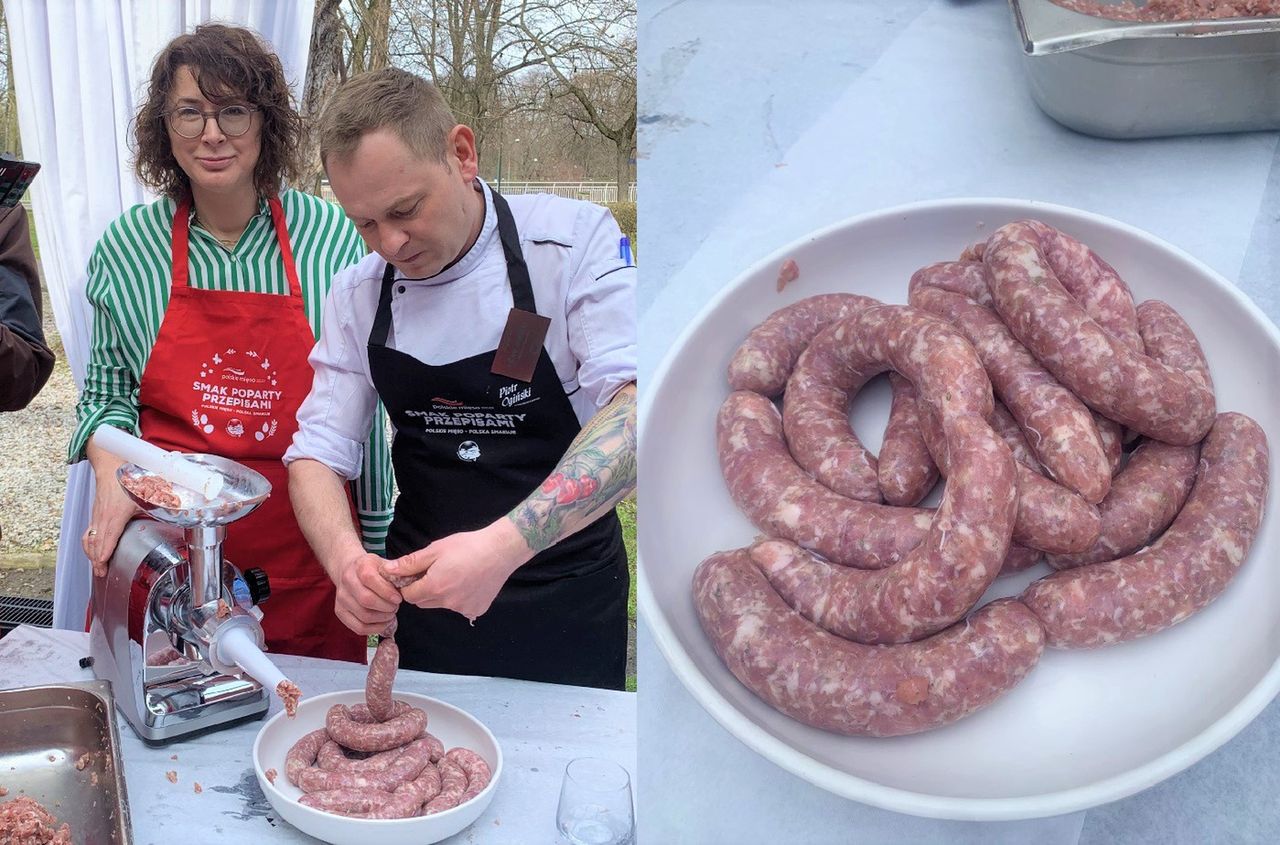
[(501, 337)]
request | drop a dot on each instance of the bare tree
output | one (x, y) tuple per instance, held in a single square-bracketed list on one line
[(325, 70), (368, 33), (559, 77), (10, 139), (475, 52), (347, 37), (590, 49)]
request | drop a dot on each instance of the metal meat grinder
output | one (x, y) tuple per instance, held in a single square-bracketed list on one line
[(175, 627)]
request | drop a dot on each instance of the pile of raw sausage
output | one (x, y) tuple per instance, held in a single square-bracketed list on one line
[(25, 821), (1070, 425), (1174, 10), (377, 761)]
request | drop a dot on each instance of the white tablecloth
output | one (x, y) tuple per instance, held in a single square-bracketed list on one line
[(541, 727), (762, 121)]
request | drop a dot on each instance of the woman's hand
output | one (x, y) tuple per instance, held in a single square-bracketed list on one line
[(112, 510)]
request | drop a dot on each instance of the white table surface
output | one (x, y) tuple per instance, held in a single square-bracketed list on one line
[(762, 121), (541, 727)]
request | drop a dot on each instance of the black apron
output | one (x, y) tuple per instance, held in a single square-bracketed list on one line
[(470, 446)]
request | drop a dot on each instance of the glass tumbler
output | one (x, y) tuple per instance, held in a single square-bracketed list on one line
[(595, 803)]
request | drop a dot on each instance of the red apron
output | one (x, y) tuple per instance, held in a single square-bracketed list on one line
[(226, 376)]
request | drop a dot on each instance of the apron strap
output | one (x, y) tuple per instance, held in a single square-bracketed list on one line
[(181, 229), (181, 252), (517, 274), (517, 270), (286, 251)]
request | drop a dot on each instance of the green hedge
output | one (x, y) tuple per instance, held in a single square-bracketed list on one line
[(625, 214)]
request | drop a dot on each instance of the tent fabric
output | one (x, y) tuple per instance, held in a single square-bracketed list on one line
[(80, 70)]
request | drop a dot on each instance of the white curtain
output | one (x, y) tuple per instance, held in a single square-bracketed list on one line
[(80, 69)]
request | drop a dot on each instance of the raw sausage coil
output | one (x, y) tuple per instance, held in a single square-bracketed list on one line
[(378, 736), (1188, 567), (1148, 493), (1110, 376), (904, 469), (764, 361), (1060, 429), (830, 683)]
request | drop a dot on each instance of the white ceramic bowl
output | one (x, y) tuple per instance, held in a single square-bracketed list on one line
[(1085, 727), (454, 727)]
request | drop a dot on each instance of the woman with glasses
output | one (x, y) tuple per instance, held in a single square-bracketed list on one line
[(206, 305)]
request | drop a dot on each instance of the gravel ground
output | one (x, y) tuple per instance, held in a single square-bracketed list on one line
[(33, 447)]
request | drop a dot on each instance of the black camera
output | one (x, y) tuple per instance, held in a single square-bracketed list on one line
[(15, 177)]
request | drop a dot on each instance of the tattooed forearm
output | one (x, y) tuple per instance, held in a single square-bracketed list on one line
[(597, 470)]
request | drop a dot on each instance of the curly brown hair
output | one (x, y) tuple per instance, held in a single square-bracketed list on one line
[(230, 65)]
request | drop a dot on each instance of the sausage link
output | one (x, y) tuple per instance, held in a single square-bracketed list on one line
[(405, 766), (362, 803), (967, 278), (381, 677), (924, 350), (1145, 497), (360, 712), (425, 786), (764, 361), (905, 470), (378, 736), (1092, 282), (1110, 376), (1111, 433), (332, 759), (830, 683), (784, 501), (475, 768), (1059, 427), (1003, 423), (1148, 493), (1188, 567), (815, 422), (938, 581), (315, 779), (1050, 517), (435, 745), (303, 754), (453, 784), (964, 278), (1168, 339)]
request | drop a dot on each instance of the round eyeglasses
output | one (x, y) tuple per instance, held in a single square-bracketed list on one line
[(189, 122)]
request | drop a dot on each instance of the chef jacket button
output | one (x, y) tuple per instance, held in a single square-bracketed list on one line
[(402, 288)]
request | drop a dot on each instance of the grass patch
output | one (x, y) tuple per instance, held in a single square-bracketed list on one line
[(627, 516), (625, 214)]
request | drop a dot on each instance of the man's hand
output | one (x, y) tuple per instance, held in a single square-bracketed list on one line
[(366, 601), (462, 572)]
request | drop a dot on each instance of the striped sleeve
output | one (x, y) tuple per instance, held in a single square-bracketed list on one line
[(372, 489), (340, 246), (110, 394)]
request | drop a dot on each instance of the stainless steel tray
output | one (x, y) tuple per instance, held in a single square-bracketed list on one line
[(45, 732), (1119, 79)]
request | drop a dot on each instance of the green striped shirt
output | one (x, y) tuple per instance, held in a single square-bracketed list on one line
[(129, 285)]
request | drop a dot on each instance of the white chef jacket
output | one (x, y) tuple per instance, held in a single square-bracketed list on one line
[(579, 281)]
